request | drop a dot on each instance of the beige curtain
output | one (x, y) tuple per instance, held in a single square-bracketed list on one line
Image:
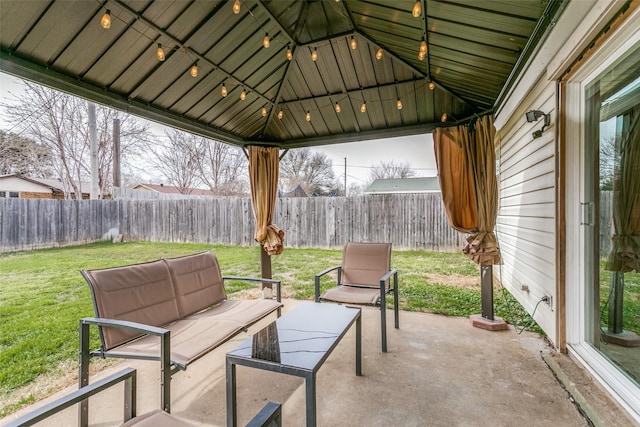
[(263, 176), (466, 161), (625, 250)]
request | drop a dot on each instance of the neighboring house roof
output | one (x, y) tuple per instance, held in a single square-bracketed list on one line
[(55, 185), (296, 192), (404, 185), (170, 189)]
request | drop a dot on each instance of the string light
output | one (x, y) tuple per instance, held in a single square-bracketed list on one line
[(417, 9), (264, 112), (236, 7), (307, 116), (353, 43), (243, 95), (194, 70), (432, 85), (265, 41), (363, 107), (399, 104), (379, 54), (160, 53), (223, 90), (421, 56), (106, 20), (289, 53), (314, 54), (338, 109), (444, 117), (423, 46), (280, 114)]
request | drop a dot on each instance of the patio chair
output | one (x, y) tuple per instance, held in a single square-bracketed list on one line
[(269, 416), (364, 278)]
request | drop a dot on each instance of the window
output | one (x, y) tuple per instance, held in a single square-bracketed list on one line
[(14, 194)]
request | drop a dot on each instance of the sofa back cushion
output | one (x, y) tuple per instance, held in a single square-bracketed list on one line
[(138, 293), (197, 282)]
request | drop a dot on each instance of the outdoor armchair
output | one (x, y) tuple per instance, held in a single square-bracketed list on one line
[(364, 278)]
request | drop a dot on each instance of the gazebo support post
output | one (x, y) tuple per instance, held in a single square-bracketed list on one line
[(265, 269), (487, 320), (615, 333)]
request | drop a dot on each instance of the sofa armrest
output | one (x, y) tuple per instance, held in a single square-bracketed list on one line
[(322, 273), (278, 283), (133, 326)]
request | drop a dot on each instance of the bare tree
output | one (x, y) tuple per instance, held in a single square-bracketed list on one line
[(58, 122), (312, 170), (23, 156), (177, 159), (221, 167), (390, 170)]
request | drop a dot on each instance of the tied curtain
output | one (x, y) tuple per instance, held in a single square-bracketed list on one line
[(465, 159), (264, 165), (625, 248)]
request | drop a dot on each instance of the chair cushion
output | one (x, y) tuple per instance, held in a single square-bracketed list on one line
[(363, 264), (352, 294), (197, 282), (140, 293)]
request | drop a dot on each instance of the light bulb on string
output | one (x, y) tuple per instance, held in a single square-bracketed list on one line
[(363, 107), (338, 109), (106, 20), (194, 70), (160, 53), (379, 54), (417, 9), (314, 54), (264, 112), (444, 117), (399, 104), (353, 43), (289, 53), (266, 41), (432, 85), (421, 56), (423, 46), (243, 95), (280, 114), (223, 90), (307, 116), (236, 7)]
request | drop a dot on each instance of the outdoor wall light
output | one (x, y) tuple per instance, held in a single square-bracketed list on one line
[(533, 116)]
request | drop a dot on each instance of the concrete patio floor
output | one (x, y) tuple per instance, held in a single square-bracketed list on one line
[(439, 371)]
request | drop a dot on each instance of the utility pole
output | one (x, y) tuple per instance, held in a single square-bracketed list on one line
[(116, 153), (93, 138), (345, 177)]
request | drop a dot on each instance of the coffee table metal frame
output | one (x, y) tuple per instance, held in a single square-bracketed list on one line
[(306, 315)]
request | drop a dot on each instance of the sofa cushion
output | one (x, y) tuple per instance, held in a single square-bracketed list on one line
[(140, 293), (197, 282)]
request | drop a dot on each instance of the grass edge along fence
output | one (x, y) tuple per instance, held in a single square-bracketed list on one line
[(409, 221)]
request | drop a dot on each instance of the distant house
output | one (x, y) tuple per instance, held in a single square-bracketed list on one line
[(170, 189), (404, 185), (19, 186), (298, 191)]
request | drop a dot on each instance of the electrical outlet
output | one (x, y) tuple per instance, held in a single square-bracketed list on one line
[(547, 299)]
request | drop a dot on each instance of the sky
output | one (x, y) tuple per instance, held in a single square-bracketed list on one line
[(415, 150)]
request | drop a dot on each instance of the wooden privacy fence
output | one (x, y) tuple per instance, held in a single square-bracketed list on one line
[(409, 221)]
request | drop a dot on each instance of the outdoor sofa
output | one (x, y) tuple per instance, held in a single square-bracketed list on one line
[(171, 310)]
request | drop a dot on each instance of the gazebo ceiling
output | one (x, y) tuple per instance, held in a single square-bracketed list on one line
[(475, 50)]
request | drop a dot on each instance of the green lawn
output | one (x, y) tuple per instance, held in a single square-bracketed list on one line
[(42, 296)]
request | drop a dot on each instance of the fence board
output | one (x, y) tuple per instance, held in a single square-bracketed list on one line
[(409, 221)]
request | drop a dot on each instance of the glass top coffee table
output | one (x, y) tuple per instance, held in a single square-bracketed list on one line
[(296, 344)]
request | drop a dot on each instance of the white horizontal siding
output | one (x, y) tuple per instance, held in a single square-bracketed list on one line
[(525, 226)]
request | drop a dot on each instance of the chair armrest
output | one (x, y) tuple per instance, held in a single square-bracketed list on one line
[(278, 283), (384, 278), (128, 375), (270, 414), (125, 324), (322, 273)]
